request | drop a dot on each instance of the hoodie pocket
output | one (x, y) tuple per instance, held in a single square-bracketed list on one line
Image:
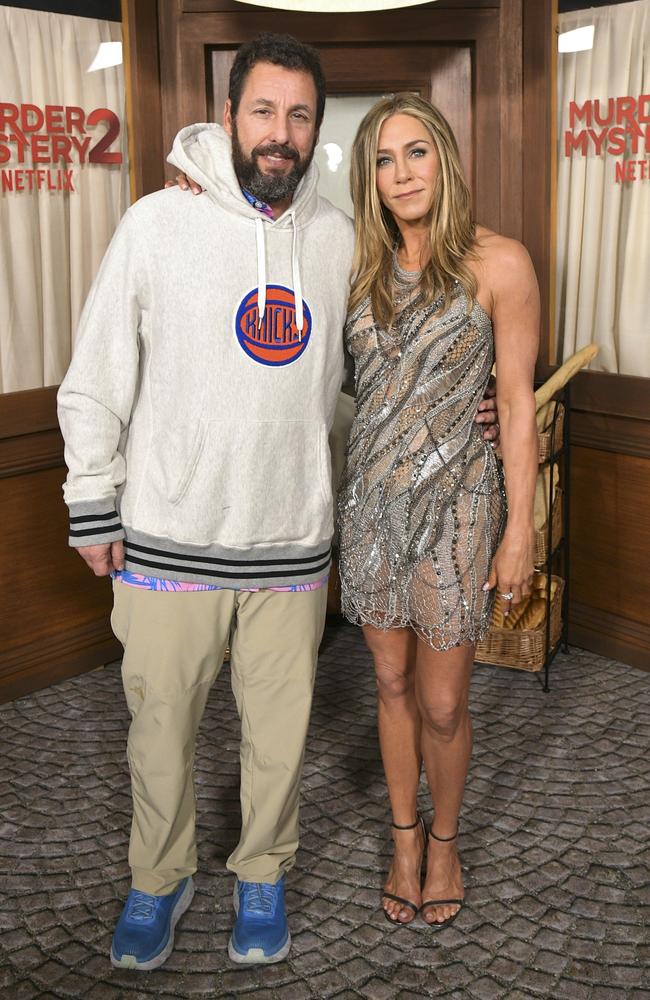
[(254, 482)]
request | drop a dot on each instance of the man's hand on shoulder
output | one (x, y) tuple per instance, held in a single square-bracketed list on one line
[(103, 559), (488, 415)]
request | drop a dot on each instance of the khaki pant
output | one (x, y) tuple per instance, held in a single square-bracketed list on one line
[(174, 646)]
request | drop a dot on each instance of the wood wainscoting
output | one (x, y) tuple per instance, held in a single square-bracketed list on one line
[(610, 517), (54, 614)]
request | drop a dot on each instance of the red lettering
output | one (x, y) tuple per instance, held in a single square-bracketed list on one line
[(625, 108), (61, 146), (620, 171), (40, 148), (81, 145), (616, 139), (99, 154), (636, 137), (598, 139), (74, 118), (645, 169), (27, 111), (67, 181), (40, 178), (5, 150), (578, 141), (54, 118), (578, 113), (18, 174), (7, 180), (8, 115), (643, 115), (598, 118)]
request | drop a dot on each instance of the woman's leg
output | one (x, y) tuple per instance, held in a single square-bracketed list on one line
[(393, 652), (442, 683)]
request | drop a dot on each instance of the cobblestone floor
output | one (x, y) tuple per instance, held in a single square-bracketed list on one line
[(554, 846)]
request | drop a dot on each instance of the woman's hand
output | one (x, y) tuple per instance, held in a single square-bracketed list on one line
[(512, 569), (185, 183)]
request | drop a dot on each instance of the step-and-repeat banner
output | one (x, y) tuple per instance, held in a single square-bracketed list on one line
[(603, 220), (63, 182)]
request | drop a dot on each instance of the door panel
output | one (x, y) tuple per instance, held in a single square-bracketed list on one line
[(441, 73), (451, 56)]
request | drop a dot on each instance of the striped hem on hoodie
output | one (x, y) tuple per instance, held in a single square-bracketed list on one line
[(232, 569)]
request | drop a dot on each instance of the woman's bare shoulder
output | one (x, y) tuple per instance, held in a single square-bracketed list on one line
[(493, 248)]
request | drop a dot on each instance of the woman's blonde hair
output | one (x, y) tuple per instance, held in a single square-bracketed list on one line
[(376, 232)]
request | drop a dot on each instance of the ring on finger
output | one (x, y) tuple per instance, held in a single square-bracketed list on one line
[(508, 596)]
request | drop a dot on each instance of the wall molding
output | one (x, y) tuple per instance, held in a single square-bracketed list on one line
[(37, 664), (606, 432), (610, 635)]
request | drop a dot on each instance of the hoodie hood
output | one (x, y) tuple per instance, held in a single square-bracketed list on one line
[(204, 153)]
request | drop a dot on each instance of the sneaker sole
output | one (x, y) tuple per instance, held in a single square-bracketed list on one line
[(131, 962), (255, 956)]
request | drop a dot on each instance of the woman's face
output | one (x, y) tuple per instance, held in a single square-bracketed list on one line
[(407, 167)]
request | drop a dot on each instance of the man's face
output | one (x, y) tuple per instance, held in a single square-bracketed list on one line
[(274, 131)]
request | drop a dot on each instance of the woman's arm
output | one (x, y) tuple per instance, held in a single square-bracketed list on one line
[(515, 319)]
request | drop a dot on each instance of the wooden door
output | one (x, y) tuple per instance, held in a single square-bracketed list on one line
[(450, 55)]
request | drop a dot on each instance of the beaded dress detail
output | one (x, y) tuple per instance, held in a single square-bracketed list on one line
[(421, 504)]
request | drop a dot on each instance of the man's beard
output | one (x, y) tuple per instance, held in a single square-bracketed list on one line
[(269, 188)]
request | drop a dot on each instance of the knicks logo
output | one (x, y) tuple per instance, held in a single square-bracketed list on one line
[(275, 341)]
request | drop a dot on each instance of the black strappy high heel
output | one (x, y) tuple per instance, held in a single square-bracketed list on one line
[(439, 924), (400, 899)]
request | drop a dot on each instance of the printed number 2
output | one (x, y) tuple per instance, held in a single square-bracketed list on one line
[(99, 154)]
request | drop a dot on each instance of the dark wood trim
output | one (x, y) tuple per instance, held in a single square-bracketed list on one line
[(610, 635), (31, 453), (28, 412), (142, 64), (616, 395), (435, 23), (537, 151), (234, 7), (37, 665), (512, 121), (30, 438), (621, 435)]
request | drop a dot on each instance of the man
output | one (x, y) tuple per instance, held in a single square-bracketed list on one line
[(195, 415)]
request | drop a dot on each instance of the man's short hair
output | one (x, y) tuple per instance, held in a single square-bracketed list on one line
[(281, 50)]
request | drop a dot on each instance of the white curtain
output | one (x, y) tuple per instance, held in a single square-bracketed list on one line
[(51, 242), (603, 238)]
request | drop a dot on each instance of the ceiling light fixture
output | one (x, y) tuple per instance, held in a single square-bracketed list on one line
[(335, 6)]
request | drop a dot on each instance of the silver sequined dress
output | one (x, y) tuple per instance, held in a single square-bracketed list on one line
[(421, 503)]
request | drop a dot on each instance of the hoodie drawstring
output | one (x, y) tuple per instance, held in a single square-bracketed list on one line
[(261, 271), (295, 274)]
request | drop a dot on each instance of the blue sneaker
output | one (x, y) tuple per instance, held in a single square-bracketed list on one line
[(261, 934), (144, 935)]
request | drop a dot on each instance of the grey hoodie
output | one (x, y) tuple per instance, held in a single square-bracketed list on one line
[(204, 381)]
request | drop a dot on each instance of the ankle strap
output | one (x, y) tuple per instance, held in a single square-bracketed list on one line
[(409, 826), (443, 840)]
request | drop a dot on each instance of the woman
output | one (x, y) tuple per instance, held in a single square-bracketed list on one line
[(423, 535)]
